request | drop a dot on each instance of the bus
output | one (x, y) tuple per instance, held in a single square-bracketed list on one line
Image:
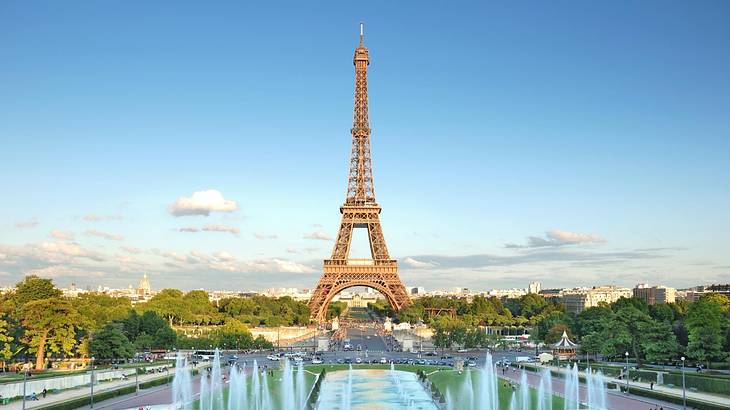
[(204, 355)]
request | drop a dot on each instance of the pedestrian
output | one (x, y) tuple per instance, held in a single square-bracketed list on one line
[(44, 392), (33, 397), (651, 386)]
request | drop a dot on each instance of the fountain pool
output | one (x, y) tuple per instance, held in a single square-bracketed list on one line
[(365, 389)]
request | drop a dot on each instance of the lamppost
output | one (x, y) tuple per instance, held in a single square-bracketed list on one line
[(25, 379), (91, 405), (627, 372), (136, 381), (684, 392)]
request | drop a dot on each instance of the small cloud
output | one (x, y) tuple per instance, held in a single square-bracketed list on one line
[(556, 238), (30, 223), (202, 203), (318, 235), (64, 236), (224, 256), (131, 249), (221, 228), (212, 228), (98, 218), (292, 249), (316, 225), (105, 235), (262, 237), (413, 263), (58, 271)]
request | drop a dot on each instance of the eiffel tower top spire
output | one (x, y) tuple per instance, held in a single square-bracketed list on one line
[(360, 188)]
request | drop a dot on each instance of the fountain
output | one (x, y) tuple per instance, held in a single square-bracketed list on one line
[(596, 399), (571, 391), (301, 387), (524, 392), (544, 391), (182, 392)]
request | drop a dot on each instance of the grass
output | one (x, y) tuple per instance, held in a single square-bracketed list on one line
[(452, 382)]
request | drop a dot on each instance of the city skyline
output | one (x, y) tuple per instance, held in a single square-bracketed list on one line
[(504, 153)]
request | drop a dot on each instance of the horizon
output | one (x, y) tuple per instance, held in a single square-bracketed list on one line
[(573, 146)]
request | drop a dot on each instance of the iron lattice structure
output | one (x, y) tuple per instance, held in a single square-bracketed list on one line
[(360, 210)]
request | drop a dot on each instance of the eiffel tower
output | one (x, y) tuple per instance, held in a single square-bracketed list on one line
[(360, 210)]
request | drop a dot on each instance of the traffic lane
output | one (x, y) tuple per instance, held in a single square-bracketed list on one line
[(367, 338)]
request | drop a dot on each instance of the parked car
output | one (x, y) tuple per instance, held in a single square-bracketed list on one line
[(383, 360), (272, 357), (316, 360)]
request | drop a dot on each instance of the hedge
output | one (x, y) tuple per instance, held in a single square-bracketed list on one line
[(705, 384), (693, 403)]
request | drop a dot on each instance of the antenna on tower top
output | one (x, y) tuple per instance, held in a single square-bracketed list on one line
[(362, 32)]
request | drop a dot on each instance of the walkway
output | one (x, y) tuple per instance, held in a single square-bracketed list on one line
[(83, 391), (677, 392)]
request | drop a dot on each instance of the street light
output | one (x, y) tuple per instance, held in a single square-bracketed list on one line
[(92, 383), (684, 392), (25, 379), (627, 372)]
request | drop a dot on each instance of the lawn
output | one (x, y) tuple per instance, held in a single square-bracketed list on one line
[(452, 381)]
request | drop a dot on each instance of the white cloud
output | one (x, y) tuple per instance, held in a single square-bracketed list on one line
[(202, 203), (131, 249), (555, 238), (318, 235), (413, 263), (221, 228), (566, 237), (212, 228), (69, 249), (58, 271), (105, 235), (64, 236), (292, 249), (30, 223)]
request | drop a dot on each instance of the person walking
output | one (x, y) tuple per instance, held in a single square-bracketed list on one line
[(44, 392), (651, 386)]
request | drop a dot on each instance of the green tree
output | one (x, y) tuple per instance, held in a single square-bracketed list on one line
[(705, 324), (658, 342), (98, 309), (34, 288), (169, 304), (144, 341), (165, 338), (110, 343), (49, 326)]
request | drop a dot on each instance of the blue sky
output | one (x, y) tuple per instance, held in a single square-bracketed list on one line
[(573, 143)]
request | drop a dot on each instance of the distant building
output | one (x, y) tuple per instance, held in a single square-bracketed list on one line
[(419, 290), (579, 299), (653, 295), (723, 289), (144, 288), (513, 293), (534, 287)]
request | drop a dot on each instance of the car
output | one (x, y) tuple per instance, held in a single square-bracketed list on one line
[(316, 360), (340, 361), (367, 337), (471, 363), (383, 360), (358, 360), (348, 361), (272, 357), (298, 359), (462, 350)]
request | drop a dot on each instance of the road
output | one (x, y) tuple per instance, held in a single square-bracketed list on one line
[(373, 348)]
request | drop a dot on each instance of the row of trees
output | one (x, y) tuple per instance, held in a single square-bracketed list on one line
[(656, 333), (36, 321), (195, 308)]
